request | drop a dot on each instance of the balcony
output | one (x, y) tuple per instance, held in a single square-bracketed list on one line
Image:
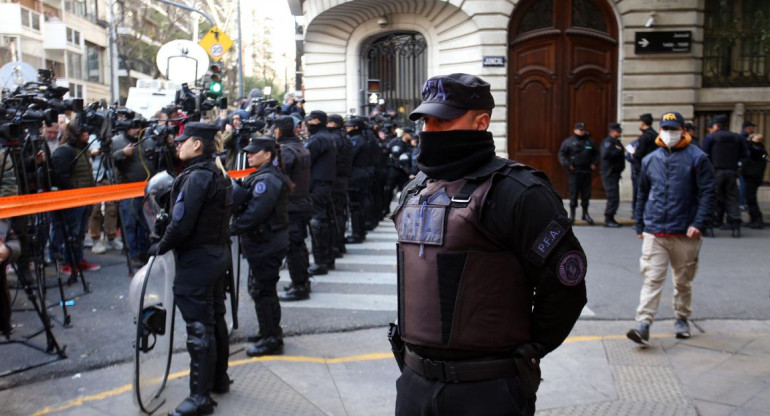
[(55, 35), (12, 20)]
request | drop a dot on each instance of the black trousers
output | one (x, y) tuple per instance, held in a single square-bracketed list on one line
[(727, 197), (198, 283), (612, 189), (418, 396), (579, 183), (340, 205), (752, 185), (297, 257), (264, 264), (321, 224)]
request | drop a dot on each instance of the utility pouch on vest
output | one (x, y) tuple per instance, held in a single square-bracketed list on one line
[(528, 366), (396, 345)]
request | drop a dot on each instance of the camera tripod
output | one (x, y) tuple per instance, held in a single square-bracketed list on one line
[(31, 231)]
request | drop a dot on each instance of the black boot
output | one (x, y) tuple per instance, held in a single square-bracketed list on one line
[(572, 215), (587, 218), (201, 345), (271, 345), (354, 239), (737, 231), (297, 292), (317, 270), (610, 222)]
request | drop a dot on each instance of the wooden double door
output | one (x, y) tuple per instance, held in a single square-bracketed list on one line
[(562, 70)]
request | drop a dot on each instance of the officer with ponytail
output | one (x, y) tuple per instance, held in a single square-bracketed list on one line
[(262, 222), (198, 234)]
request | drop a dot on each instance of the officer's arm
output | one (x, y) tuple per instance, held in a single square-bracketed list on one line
[(708, 142), (264, 196), (744, 152), (704, 181), (533, 225), (563, 157), (314, 147), (186, 209), (595, 158), (288, 158)]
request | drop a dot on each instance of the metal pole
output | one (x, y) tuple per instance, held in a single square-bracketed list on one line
[(191, 9), (114, 80), (240, 53)]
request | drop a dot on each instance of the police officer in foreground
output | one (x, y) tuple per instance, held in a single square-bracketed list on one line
[(579, 156), (296, 164), (198, 233), (472, 338), (262, 221), (613, 163), (323, 172)]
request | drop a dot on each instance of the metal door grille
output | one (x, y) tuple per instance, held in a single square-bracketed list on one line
[(399, 62)]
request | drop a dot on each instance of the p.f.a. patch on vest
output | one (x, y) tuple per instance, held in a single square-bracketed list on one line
[(548, 239)]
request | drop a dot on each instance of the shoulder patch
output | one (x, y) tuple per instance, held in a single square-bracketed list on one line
[(179, 197), (572, 268), (548, 239), (260, 188)]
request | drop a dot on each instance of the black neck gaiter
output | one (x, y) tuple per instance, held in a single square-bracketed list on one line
[(451, 154)]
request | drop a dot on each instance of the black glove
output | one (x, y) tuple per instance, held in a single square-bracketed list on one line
[(154, 249)]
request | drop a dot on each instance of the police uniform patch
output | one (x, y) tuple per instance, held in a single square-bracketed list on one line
[(260, 188), (572, 268), (178, 211), (548, 239)]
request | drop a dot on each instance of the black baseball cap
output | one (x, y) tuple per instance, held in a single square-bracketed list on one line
[(205, 131), (355, 122), (257, 143), (284, 123), (450, 96), (580, 126), (336, 118), (317, 114), (690, 126), (646, 118), (748, 124), (615, 126)]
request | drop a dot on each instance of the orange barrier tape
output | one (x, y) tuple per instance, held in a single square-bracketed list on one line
[(14, 206)]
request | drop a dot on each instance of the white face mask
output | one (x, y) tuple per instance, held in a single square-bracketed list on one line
[(671, 137)]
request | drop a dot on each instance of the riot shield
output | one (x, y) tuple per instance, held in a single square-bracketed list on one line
[(151, 296)]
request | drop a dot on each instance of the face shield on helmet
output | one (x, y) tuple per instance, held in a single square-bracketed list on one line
[(155, 209)]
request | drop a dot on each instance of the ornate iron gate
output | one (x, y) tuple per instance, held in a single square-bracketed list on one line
[(398, 62)]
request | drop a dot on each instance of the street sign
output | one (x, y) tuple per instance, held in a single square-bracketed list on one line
[(493, 61), (663, 42), (216, 43)]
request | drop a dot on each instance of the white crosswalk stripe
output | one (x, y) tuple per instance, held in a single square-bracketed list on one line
[(376, 251)]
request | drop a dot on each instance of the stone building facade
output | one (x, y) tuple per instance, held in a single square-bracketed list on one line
[(551, 63)]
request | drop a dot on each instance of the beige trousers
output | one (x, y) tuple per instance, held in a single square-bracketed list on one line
[(657, 253)]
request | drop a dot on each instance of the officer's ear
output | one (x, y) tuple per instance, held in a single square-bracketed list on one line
[(482, 120)]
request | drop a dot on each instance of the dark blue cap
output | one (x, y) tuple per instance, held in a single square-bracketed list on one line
[(672, 119), (257, 143), (450, 96), (204, 131), (580, 126)]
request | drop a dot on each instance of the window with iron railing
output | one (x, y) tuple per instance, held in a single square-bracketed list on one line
[(736, 44)]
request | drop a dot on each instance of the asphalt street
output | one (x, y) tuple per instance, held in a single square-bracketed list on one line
[(732, 283)]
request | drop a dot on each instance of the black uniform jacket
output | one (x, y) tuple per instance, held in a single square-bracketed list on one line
[(613, 158)]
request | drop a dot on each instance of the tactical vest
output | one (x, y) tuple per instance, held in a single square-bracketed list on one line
[(212, 227), (344, 153), (726, 149), (279, 217), (324, 167), (458, 288), (299, 173)]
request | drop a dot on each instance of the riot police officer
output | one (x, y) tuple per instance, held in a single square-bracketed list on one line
[(340, 188), (296, 164), (262, 221), (397, 175), (579, 156), (360, 180), (323, 172), (199, 234), (613, 163), (481, 240)]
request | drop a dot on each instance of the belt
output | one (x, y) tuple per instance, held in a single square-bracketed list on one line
[(460, 371)]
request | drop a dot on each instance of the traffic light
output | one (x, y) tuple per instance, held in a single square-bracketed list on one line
[(215, 78)]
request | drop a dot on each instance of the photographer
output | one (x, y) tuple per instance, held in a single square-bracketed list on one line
[(162, 134), (71, 169), (132, 158), (236, 138), (9, 252)]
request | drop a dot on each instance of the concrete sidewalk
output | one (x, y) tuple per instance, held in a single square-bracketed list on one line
[(724, 369)]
